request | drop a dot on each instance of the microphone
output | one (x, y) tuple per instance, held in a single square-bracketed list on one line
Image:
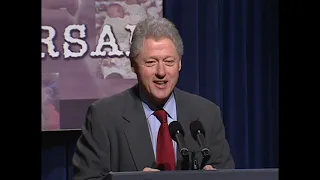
[(177, 134), (198, 133)]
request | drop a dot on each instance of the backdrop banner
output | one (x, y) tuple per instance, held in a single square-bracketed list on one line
[(85, 49)]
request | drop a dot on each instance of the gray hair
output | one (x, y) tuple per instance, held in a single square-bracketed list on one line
[(156, 28)]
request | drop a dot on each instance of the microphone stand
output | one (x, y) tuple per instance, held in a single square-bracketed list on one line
[(205, 159), (194, 161), (189, 162), (194, 164), (185, 162)]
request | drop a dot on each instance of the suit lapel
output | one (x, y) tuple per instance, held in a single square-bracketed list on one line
[(185, 116), (137, 132)]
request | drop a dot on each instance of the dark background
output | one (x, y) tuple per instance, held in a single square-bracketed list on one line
[(231, 58)]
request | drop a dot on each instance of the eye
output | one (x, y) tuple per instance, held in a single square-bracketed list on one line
[(150, 62), (169, 62)]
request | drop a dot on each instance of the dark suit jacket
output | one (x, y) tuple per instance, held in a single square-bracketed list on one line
[(116, 135)]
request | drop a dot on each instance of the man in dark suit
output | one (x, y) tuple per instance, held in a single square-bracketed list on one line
[(125, 132)]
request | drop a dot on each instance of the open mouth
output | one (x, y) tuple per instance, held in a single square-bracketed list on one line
[(160, 84)]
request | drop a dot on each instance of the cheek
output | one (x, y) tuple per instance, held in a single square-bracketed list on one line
[(146, 74), (174, 72)]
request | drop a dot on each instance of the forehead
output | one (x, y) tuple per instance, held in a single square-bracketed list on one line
[(160, 44), (114, 6)]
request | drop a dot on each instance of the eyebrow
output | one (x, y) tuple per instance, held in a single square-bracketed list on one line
[(154, 57)]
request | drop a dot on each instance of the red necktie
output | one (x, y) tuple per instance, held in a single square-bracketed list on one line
[(165, 152)]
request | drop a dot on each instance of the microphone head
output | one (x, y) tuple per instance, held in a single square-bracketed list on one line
[(174, 128), (196, 128)]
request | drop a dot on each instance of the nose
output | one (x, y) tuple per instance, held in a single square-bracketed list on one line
[(160, 72)]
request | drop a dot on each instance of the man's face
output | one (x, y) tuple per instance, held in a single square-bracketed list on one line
[(115, 10), (157, 68)]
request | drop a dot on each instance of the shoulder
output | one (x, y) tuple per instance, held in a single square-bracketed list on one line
[(196, 100), (112, 103)]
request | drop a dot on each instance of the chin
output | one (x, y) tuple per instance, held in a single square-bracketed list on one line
[(162, 96)]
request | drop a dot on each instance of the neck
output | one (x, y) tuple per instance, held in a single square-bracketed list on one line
[(152, 102)]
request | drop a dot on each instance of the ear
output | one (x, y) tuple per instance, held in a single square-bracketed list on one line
[(179, 65)]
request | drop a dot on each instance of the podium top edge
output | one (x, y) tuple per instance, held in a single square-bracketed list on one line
[(201, 171)]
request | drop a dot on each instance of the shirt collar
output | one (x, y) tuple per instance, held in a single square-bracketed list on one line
[(169, 106)]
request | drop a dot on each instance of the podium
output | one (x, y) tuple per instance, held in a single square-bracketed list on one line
[(222, 174)]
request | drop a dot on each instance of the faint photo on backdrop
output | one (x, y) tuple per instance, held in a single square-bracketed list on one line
[(50, 115), (93, 76), (87, 77)]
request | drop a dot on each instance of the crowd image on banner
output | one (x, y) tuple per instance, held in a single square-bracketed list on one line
[(86, 77), (118, 14), (50, 115)]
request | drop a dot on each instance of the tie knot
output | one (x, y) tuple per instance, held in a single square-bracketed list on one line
[(161, 115)]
